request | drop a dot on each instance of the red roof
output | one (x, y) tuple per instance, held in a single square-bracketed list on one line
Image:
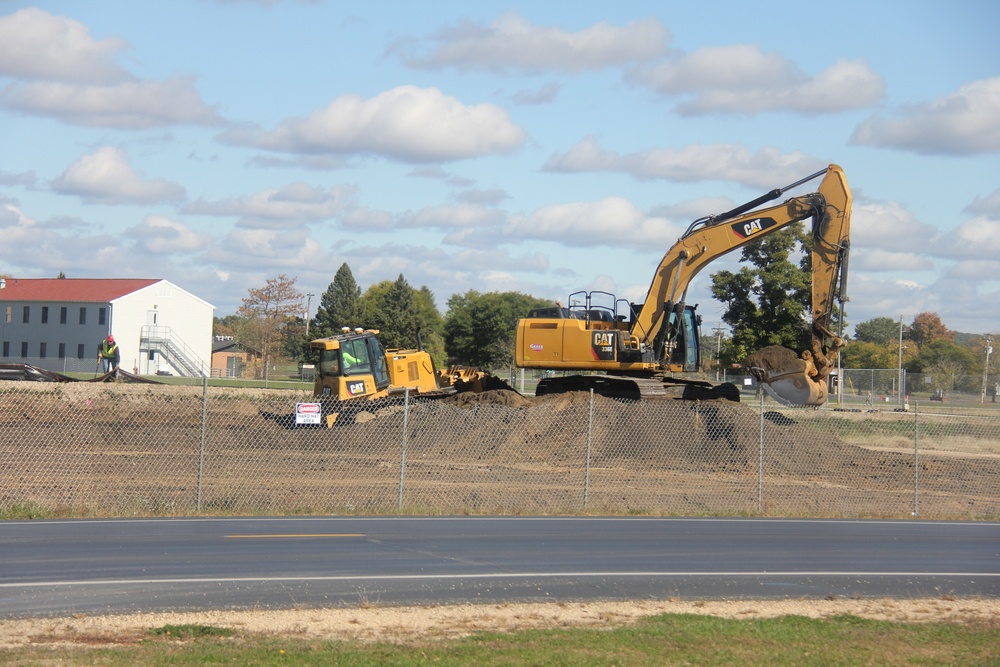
[(98, 290)]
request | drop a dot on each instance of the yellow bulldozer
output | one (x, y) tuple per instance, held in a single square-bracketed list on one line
[(357, 375)]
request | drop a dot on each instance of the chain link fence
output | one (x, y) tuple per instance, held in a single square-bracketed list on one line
[(86, 449)]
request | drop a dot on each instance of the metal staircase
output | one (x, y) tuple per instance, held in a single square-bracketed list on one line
[(171, 350)]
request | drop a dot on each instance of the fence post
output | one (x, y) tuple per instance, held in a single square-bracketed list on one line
[(760, 460), (916, 460), (204, 426), (402, 453), (590, 432)]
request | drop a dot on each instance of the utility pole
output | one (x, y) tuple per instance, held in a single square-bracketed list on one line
[(900, 389), (718, 350), (309, 300), (986, 368)]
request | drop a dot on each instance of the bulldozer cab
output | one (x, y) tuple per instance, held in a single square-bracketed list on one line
[(351, 364)]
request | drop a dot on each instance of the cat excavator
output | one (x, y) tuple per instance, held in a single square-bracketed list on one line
[(636, 350)]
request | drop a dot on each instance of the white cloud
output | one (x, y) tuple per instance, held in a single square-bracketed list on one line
[(461, 215), (406, 123), (610, 221), (981, 270), (966, 122), (512, 43), (26, 179), (889, 226), (544, 95), (34, 44), (977, 238), (105, 177), (279, 208), (876, 260), (767, 168), (127, 105), (67, 74), (263, 250), (160, 235), (988, 205), (741, 79), (491, 197)]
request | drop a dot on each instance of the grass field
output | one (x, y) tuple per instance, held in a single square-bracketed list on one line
[(671, 639)]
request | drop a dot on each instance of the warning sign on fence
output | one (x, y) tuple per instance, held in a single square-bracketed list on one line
[(308, 413)]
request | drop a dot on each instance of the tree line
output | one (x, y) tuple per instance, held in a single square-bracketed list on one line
[(478, 330), (766, 302)]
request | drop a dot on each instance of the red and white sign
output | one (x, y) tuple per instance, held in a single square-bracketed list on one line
[(308, 413)]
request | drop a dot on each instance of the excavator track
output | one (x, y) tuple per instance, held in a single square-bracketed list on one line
[(637, 389)]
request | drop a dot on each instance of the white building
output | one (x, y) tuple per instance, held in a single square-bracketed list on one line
[(58, 324)]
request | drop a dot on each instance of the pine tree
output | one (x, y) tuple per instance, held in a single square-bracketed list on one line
[(339, 305)]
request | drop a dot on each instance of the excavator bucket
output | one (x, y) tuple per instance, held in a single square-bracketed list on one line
[(789, 378)]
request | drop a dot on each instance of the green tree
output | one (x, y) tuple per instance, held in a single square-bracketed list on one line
[(767, 303), (430, 323), (391, 308), (480, 329), (226, 325), (265, 315), (863, 354), (878, 330), (948, 363), (339, 305)]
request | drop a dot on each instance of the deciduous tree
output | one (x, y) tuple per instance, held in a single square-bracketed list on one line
[(266, 311), (767, 302), (927, 328), (480, 329), (878, 330)]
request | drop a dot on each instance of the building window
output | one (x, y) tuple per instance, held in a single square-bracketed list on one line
[(102, 315), (79, 351), (24, 350), (27, 312), (42, 350), (62, 350), (62, 315), (45, 314), (6, 348), (83, 315), (8, 316)]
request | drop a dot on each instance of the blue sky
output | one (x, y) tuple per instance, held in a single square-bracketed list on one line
[(539, 147)]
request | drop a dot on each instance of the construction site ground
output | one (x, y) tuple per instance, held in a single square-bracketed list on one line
[(712, 447)]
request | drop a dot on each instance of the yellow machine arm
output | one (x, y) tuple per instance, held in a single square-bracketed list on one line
[(709, 238), (792, 377)]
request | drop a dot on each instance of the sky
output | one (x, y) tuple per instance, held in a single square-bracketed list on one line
[(544, 148)]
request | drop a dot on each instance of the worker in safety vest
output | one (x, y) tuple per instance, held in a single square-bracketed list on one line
[(109, 354)]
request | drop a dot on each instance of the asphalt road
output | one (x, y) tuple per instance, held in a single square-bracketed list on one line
[(132, 565)]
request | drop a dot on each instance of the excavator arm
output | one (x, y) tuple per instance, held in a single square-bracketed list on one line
[(793, 377)]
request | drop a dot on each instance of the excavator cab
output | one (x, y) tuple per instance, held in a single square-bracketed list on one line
[(681, 345)]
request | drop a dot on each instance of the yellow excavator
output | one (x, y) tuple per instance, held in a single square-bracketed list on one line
[(640, 347)]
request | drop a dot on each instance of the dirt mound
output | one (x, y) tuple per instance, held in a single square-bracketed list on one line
[(506, 397)]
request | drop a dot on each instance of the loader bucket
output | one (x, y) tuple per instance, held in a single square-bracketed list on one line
[(788, 377)]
